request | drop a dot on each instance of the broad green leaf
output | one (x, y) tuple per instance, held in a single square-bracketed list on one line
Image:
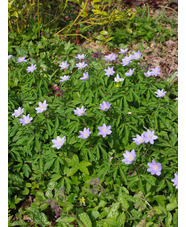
[(85, 219), (38, 217), (160, 199), (84, 169), (122, 199), (85, 163), (168, 220), (72, 171), (171, 206), (114, 211), (19, 223), (65, 219)]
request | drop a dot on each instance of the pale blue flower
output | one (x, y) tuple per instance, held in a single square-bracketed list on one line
[(129, 157), (137, 55), (58, 142), (81, 65), (154, 168), (64, 78), (149, 136), (105, 106), (118, 79), (84, 134), (148, 74), (175, 180), (110, 71), (80, 111), (110, 57), (64, 65), (80, 56), (31, 68), (21, 59), (160, 93), (155, 71), (130, 72), (42, 107), (104, 130), (25, 120), (139, 139), (122, 51), (85, 76), (18, 112)]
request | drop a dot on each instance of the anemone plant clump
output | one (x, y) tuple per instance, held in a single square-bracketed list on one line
[(101, 153)]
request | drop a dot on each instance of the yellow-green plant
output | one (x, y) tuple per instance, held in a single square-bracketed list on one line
[(97, 13), (18, 14)]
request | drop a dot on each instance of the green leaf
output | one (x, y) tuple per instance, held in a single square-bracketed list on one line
[(114, 211), (95, 214), (121, 219), (75, 158), (19, 223), (72, 171), (104, 32), (171, 206), (107, 40), (150, 179), (85, 163), (84, 169), (26, 170), (122, 174), (140, 46), (84, 218), (26, 191), (122, 199), (168, 220), (175, 218), (140, 185), (169, 185), (160, 199), (65, 219), (48, 164), (100, 37), (56, 166), (38, 217), (161, 185), (56, 177)]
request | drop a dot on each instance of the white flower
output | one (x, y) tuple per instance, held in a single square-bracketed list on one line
[(64, 78), (118, 79)]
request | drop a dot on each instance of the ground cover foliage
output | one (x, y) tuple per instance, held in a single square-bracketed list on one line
[(87, 180)]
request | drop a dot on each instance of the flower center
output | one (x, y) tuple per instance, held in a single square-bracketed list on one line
[(104, 130), (160, 93), (59, 142), (130, 157), (27, 120), (155, 167), (42, 107)]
